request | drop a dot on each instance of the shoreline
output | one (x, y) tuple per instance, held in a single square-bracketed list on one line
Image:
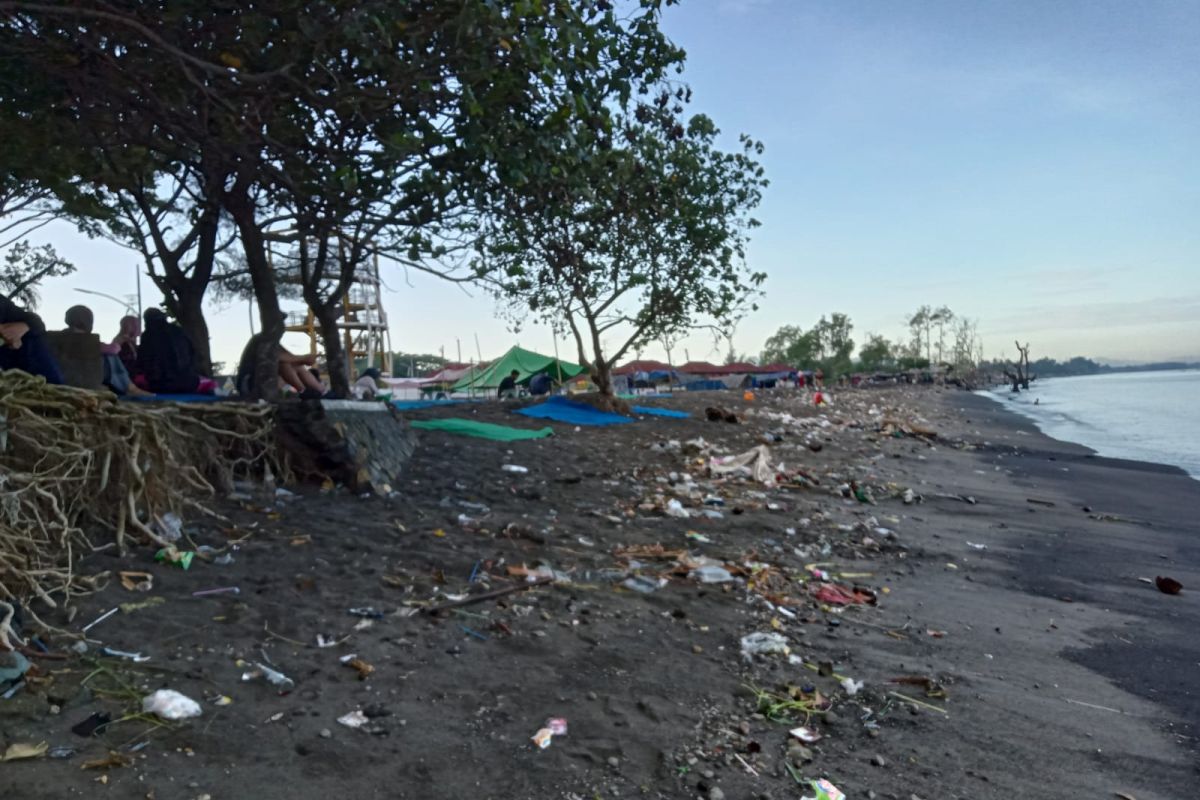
[(1061, 669)]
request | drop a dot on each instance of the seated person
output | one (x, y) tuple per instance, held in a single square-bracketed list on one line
[(79, 319), (365, 387), (21, 344), (508, 386), (126, 342), (166, 358), (540, 384), (291, 370)]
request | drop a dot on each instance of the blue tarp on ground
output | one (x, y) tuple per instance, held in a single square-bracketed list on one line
[(660, 412), (416, 405), (561, 409)]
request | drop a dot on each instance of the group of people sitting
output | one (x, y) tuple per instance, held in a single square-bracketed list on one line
[(158, 358)]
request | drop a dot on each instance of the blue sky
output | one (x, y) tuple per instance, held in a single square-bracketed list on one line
[(1034, 165)]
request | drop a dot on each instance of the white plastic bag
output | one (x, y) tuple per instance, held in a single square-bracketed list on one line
[(170, 704)]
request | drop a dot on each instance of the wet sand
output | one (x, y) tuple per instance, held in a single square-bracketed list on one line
[(1065, 675)]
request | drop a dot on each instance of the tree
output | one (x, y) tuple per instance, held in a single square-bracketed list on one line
[(25, 267), (335, 129), (638, 235), (876, 354), (1018, 373)]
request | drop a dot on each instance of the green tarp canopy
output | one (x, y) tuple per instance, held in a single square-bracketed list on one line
[(525, 362), (482, 430)]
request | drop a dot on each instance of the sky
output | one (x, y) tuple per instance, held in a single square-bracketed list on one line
[(1032, 164)]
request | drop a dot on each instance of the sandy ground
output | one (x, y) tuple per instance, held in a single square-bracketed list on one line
[(1056, 671)]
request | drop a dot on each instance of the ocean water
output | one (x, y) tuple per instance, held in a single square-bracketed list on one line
[(1145, 416)]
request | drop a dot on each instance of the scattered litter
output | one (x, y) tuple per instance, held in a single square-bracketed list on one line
[(852, 686), (170, 527), (100, 619), (111, 761), (675, 508), (711, 574), (362, 667), (368, 612), (838, 595), (137, 581), (763, 643), (515, 469), (13, 666), (355, 719), (22, 750), (824, 790), (974, 546), (643, 584), (137, 658), (92, 724), (171, 705), (555, 726), (755, 463), (272, 676), (804, 734), (219, 590), (1168, 585), (173, 555)]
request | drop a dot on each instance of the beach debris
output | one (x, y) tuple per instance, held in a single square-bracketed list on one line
[(555, 726), (974, 546), (170, 705), (805, 734), (355, 719), (674, 508), (719, 414), (13, 666), (710, 573), (852, 686), (137, 658), (362, 667), (824, 790), (218, 590), (515, 469), (136, 581), (170, 527), (644, 584), (100, 619), (1037, 502), (1168, 585), (763, 643), (272, 676), (18, 751), (91, 725), (173, 555), (111, 761), (754, 463), (367, 612), (837, 595)]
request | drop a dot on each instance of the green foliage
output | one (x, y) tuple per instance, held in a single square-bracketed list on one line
[(827, 346), (26, 266), (630, 230), (876, 354)]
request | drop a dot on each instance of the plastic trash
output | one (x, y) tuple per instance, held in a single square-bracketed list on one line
[(824, 790), (555, 726), (272, 676), (355, 719), (172, 555), (675, 509), (137, 658), (170, 704), (852, 686), (640, 583), (710, 574), (170, 527), (515, 469), (13, 666), (763, 643)]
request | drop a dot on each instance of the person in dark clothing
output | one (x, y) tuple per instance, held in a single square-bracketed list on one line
[(22, 345), (79, 319), (508, 386), (540, 384), (166, 357)]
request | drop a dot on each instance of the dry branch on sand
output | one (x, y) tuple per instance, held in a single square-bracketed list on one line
[(74, 462)]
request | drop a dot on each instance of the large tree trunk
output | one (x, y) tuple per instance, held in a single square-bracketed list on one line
[(335, 353), (262, 277), (189, 311)]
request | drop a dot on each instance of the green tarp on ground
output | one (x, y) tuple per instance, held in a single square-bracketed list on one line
[(525, 362), (481, 430)]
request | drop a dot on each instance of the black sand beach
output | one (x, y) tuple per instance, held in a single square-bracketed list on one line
[(1065, 675)]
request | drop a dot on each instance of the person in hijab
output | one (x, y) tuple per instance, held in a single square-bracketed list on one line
[(80, 319)]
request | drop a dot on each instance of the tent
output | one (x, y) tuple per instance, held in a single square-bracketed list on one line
[(526, 362)]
